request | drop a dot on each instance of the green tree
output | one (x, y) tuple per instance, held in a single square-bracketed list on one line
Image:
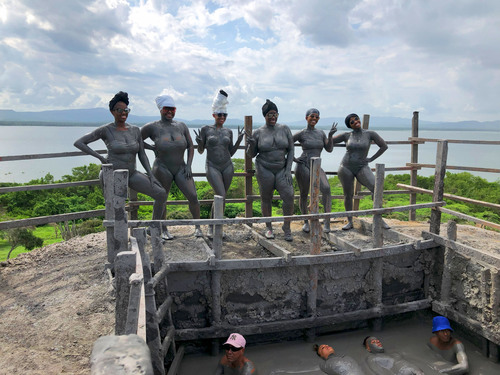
[(22, 237)]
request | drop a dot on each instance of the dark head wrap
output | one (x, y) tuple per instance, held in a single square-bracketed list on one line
[(348, 119), (312, 110), (119, 97), (268, 106)]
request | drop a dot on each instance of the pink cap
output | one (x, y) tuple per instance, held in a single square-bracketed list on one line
[(236, 340)]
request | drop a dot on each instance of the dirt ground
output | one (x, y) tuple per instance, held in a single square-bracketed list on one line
[(57, 300)]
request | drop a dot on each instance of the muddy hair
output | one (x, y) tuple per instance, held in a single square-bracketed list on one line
[(316, 348), (119, 97)]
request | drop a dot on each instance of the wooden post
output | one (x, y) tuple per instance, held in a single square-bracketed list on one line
[(446, 278), (315, 168), (132, 197), (216, 275), (108, 192), (414, 159), (495, 293), (158, 260), (312, 295), (124, 267), (378, 198), (119, 200), (439, 174), (249, 171), (153, 338), (218, 229), (378, 241), (134, 301), (357, 185)]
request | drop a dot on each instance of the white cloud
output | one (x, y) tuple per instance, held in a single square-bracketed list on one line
[(383, 57)]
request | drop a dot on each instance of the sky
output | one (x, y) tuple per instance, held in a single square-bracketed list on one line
[(378, 57)]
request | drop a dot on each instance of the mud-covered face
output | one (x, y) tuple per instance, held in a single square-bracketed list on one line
[(233, 354), (312, 119), (444, 335), (374, 345), (325, 350), (120, 112)]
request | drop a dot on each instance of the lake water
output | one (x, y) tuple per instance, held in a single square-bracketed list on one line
[(27, 140)]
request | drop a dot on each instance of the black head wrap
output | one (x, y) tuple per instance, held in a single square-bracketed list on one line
[(348, 119), (268, 106), (119, 97), (312, 110)]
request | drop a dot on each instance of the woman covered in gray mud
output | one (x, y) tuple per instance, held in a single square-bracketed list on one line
[(171, 139), (218, 141), (124, 144), (355, 161), (272, 145), (313, 141)]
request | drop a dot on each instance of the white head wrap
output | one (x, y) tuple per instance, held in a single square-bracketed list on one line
[(220, 102), (164, 101)]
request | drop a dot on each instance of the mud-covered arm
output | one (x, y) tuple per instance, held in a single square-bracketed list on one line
[(190, 150), (463, 364), (200, 139), (234, 148), (146, 133), (328, 142), (380, 143), (219, 370), (290, 152), (82, 144), (143, 158), (252, 141)]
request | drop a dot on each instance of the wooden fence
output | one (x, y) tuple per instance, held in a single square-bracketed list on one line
[(249, 197)]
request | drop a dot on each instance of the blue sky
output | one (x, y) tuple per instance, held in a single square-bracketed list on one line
[(380, 57)]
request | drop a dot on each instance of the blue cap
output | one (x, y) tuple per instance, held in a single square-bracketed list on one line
[(439, 323)]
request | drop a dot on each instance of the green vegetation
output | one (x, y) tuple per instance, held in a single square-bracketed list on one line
[(18, 205)]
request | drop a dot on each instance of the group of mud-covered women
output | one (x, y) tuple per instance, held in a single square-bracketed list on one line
[(272, 145)]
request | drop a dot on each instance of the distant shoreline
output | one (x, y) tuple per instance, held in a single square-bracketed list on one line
[(437, 127)]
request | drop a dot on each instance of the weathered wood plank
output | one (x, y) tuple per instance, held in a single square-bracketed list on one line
[(454, 167), (49, 186), (470, 218), (269, 245), (439, 174), (41, 220), (451, 196), (302, 323), (467, 251), (274, 219), (300, 260), (462, 141)]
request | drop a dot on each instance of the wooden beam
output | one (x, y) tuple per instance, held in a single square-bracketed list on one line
[(464, 250), (269, 245), (302, 323), (275, 219), (459, 168), (50, 219), (296, 261), (49, 186), (461, 141), (450, 196), (439, 174), (470, 218), (343, 244)]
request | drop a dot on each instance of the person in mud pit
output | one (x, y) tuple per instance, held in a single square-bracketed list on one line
[(234, 361), (171, 139), (313, 141), (354, 164), (451, 349), (336, 364), (272, 145), (218, 141), (382, 363), (124, 144)]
